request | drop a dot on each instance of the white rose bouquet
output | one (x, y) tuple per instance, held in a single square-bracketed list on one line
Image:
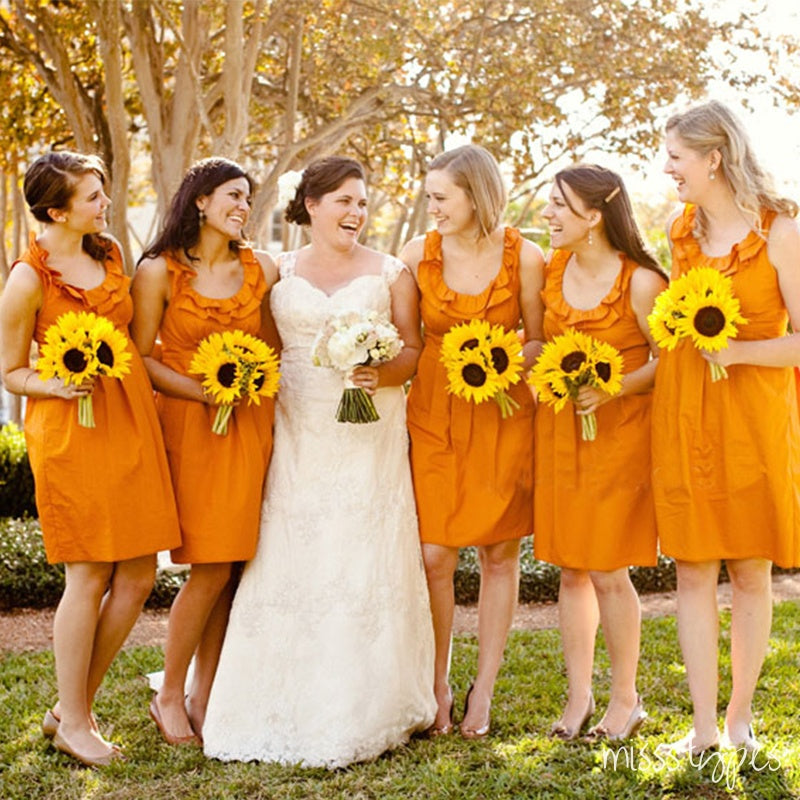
[(351, 339)]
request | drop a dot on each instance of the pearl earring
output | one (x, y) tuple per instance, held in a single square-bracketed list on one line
[(590, 241), (712, 176), (201, 216)]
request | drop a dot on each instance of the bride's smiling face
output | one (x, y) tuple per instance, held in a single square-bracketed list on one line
[(339, 216)]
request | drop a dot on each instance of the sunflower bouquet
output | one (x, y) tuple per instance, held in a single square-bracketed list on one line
[(482, 362), (351, 339), (80, 346), (700, 306), (570, 361), (235, 365)]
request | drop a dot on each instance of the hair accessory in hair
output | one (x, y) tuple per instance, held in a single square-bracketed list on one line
[(287, 187), (611, 195)]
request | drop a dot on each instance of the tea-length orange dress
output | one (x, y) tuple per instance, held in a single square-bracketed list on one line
[(473, 470), (103, 494), (726, 454), (593, 503), (218, 479)]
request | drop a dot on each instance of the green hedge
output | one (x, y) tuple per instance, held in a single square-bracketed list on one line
[(16, 479), (28, 581)]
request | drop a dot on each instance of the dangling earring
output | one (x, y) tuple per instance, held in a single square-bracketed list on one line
[(590, 241), (201, 216), (712, 176)]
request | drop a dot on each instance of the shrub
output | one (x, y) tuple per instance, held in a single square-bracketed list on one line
[(16, 478), (28, 581)]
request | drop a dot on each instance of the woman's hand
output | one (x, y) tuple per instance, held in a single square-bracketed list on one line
[(365, 378), (589, 399), (55, 387), (724, 357)]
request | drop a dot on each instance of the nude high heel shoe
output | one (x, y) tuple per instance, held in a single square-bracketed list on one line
[(561, 731), (474, 733), (630, 729)]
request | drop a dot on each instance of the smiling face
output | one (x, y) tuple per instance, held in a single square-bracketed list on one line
[(449, 205), (567, 227), (86, 212), (339, 216), (227, 208), (689, 168)]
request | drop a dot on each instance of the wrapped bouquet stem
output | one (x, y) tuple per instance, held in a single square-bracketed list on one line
[(351, 339)]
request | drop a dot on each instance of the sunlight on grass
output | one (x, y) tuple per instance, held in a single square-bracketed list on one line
[(517, 760)]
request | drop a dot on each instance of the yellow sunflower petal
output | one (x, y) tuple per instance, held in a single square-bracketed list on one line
[(505, 351)]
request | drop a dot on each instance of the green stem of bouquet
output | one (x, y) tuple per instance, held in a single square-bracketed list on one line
[(506, 402), (220, 425), (717, 371), (588, 427), (356, 406), (85, 412)]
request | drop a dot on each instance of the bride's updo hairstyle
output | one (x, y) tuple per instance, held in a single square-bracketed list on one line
[(319, 178)]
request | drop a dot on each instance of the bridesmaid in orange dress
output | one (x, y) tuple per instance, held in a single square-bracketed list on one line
[(197, 278), (103, 494), (593, 504), (472, 470), (726, 454)]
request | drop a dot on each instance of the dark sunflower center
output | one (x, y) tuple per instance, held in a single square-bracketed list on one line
[(473, 374), (500, 360), (709, 321), (603, 369), (226, 375), (259, 381), (75, 360), (105, 355), (470, 344), (573, 361)]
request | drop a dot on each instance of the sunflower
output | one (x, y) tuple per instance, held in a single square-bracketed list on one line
[(67, 351), (112, 351), (663, 320), (711, 319), (506, 354), (461, 339), (79, 346), (471, 377), (607, 367), (218, 365), (261, 373), (572, 360)]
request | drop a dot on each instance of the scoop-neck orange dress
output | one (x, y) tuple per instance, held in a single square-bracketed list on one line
[(593, 502), (473, 470), (726, 454), (218, 480), (103, 494)]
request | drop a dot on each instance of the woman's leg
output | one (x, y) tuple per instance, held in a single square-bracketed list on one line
[(206, 658), (578, 618), (188, 618), (751, 621), (698, 633), (74, 632), (440, 566), (620, 615), (131, 584), (497, 601)]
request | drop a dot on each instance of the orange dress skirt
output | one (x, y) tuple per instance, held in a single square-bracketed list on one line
[(218, 480), (472, 470), (726, 454), (593, 502), (103, 494)]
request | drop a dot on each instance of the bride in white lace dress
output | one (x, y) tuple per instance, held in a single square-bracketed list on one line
[(328, 657)]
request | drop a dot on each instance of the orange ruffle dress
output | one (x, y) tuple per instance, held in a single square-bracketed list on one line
[(593, 503), (103, 494), (726, 454), (473, 470), (218, 480)]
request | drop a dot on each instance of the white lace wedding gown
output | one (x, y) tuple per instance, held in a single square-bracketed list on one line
[(328, 657)]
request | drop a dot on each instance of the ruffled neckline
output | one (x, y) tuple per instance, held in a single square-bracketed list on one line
[(102, 298), (469, 305), (236, 306), (607, 308), (740, 253)]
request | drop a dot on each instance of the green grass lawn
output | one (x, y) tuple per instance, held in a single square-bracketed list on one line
[(516, 761)]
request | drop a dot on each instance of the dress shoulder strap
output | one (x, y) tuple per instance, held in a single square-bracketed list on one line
[(286, 263), (391, 268)]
